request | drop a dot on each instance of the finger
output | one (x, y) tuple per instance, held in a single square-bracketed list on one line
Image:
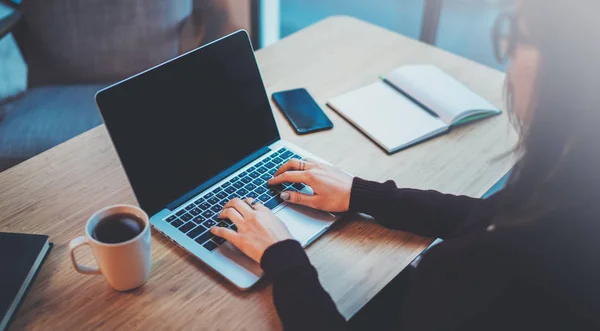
[(291, 177), (313, 161), (258, 206), (232, 215), (227, 234), (250, 202), (239, 205), (300, 198), (293, 164)]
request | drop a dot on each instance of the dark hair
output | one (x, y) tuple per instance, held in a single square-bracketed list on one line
[(559, 165)]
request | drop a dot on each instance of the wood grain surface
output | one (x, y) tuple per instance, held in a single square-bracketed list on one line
[(54, 194)]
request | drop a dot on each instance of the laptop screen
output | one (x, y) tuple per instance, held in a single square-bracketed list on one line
[(182, 123)]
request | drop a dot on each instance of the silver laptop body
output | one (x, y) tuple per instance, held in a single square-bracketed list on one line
[(185, 215)]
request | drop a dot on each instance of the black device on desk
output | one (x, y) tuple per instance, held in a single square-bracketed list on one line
[(301, 110), (21, 256)]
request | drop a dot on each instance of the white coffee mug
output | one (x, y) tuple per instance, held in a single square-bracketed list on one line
[(125, 265)]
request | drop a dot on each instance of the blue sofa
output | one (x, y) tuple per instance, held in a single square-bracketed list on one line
[(55, 55)]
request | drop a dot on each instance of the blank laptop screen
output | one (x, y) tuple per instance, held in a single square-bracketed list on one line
[(182, 123)]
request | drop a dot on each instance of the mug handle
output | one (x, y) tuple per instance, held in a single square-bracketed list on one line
[(73, 245)]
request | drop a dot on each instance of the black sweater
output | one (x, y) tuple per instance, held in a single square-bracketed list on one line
[(541, 276)]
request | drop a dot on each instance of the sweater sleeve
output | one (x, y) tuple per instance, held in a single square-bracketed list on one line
[(300, 300), (427, 213)]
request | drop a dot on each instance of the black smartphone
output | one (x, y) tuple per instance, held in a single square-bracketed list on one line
[(302, 111)]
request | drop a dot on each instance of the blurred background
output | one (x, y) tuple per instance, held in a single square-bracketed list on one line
[(464, 26), (54, 55)]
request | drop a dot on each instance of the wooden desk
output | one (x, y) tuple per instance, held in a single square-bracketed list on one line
[(55, 192)]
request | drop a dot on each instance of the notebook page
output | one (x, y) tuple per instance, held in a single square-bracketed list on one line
[(386, 116), (437, 90)]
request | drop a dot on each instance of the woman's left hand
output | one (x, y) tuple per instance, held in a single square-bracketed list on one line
[(257, 227)]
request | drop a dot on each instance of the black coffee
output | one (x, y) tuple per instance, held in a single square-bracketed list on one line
[(118, 228)]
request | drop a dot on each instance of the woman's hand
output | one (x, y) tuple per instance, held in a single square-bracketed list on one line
[(257, 227), (331, 185)]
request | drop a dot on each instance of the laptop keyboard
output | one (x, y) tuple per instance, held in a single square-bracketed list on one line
[(199, 216)]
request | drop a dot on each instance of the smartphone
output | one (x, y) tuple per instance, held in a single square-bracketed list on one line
[(301, 110)]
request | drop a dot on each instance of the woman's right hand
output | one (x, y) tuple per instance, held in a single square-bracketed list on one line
[(331, 185)]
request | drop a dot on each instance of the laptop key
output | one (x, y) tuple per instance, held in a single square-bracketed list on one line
[(226, 221), (217, 190), (250, 187), (260, 190), (181, 212), (278, 187), (208, 195), (238, 184), (230, 189), (246, 180), (196, 231), (213, 200), (226, 184), (264, 198), (218, 240), (187, 227), (190, 206), (210, 246), (171, 218), (222, 195), (272, 171), (278, 161), (195, 211), (250, 169), (274, 202), (266, 177), (208, 213), (233, 227), (252, 195), (209, 224), (299, 186), (198, 219), (270, 165), (216, 208), (186, 217), (287, 154), (204, 206), (206, 236), (242, 192), (254, 174), (177, 223), (258, 182), (262, 170)]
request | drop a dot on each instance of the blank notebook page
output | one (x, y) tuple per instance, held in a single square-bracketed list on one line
[(386, 115)]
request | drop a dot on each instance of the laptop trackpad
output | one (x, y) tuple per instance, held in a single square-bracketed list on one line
[(304, 223)]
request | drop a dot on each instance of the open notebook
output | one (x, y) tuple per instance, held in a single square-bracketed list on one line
[(410, 105)]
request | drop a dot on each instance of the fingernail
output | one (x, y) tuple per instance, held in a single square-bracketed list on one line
[(285, 195)]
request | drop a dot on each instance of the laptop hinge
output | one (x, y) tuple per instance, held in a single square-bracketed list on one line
[(245, 161)]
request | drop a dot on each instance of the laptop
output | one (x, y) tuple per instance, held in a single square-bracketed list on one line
[(195, 132)]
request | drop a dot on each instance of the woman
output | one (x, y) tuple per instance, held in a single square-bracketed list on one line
[(524, 259)]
